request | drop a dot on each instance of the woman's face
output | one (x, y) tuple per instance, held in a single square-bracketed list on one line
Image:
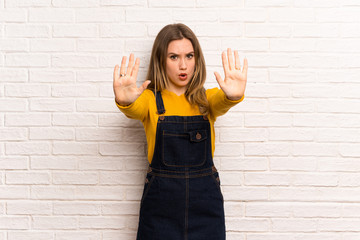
[(180, 65)]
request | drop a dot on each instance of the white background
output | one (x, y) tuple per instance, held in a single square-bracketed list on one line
[(72, 166)]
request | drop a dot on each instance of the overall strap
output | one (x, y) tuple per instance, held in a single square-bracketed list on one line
[(159, 103)]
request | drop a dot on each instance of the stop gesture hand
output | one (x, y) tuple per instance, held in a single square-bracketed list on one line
[(124, 84), (235, 78)]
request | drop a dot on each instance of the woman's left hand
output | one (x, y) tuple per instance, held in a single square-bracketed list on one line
[(235, 78)]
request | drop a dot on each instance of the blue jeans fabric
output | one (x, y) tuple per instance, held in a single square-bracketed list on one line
[(182, 199)]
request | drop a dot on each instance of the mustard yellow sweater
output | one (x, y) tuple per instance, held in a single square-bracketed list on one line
[(144, 109)]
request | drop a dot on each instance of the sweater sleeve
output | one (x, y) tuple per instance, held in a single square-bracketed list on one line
[(138, 109), (219, 103)]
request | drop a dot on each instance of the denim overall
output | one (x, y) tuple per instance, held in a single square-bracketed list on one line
[(182, 199)]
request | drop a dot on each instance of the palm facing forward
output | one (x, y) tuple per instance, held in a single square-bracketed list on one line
[(235, 79)]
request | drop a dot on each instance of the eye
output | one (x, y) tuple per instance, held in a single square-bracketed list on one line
[(173, 57), (190, 55)]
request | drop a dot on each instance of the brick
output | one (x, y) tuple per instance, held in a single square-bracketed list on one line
[(122, 148), (333, 164), (291, 134), (13, 162), (83, 30), (268, 90), (52, 45), (100, 193), (13, 192), (270, 60), (349, 150), (291, 15), (74, 61), (12, 15), (316, 30), (244, 164), (51, 133), (74, 119), (27, 90), (52, 192), (122, 30), (54, 76), (93, 75), (29, 208), (268, 120), (236, 193), (267, 30), (314, 149), (229, 149), (196, 15), (101, 222), (251, 105), (14, 223), (349, 180), (217, 4), (254, 44), (27, 60), (338, 135), (53, 223), (349, 30), (337, 15), (31, 178), (349, 61), (74, 91), (13, 134), (318, 3), (243, 15), (123, 178), (125, 208), (12, 105), (77, 234), (267, 149), (219, 30), (123, 3), (75, 3), (50, 163), (27, 148), (52, 105), (28, 3), (140, 45), (336, 225), (75, 178), (253, 225), (240, 135), (99, 134), (291, 106), (336, 76), (315, 179), (14, 75), (293, 45), (333, 106), (27, 235), (267, 179), (99, 105), (294, 225), (99, 15), (264, 3), (293, 163), (102, 163), (317, 210), (148, 15), (27, 31), (263, 209), (77, 208), (51, 15), (14, 45), (74, 148), (27, 119), (103, 45)]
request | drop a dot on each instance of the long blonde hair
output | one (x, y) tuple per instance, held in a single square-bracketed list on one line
[(195, 92)]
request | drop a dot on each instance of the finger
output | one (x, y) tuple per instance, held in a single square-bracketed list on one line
[(116, 72), (123, 65), (231, 59), (245, 67), (224, 63), (218, 79), (144, 85), (237, 61), (130, 66), (135, 70)]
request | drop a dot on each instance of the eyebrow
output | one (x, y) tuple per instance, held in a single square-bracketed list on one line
[(171, 53)]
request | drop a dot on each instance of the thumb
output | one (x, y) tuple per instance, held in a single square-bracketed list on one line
[(144, 85), (218, 79)]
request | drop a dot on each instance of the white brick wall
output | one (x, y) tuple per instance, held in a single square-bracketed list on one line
[(72, 166)]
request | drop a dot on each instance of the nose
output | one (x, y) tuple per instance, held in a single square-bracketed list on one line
[(182, 64)]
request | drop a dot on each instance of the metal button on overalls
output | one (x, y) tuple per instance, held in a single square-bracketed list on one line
[(182, 199)]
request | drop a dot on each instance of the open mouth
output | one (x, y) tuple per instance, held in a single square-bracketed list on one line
[(183, 76)]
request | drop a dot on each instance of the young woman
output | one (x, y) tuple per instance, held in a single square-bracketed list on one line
[(182, 198)]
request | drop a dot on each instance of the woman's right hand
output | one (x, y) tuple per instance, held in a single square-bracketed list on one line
[(125, 89)]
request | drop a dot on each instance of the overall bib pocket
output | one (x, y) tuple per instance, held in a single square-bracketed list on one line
[(184, 149)]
